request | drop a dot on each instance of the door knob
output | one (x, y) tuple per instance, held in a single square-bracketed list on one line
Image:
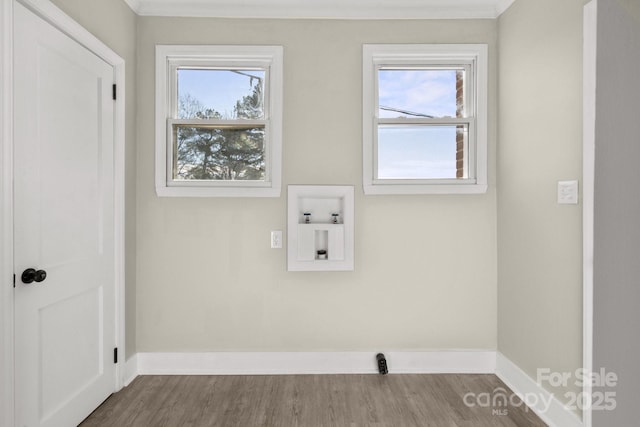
[(31, 275)]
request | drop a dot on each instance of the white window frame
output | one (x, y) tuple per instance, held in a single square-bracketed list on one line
[(168, 59), (473, 57)]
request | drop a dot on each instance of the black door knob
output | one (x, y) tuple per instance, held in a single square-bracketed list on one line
[(40, 276), (31, 275)]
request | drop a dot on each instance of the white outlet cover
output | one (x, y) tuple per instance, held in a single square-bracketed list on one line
[(568, 192), (276, 239)]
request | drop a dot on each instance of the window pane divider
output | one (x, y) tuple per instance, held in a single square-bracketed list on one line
[(425, 121), (218, 123)]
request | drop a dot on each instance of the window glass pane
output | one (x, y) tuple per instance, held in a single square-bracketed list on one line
[(422, 152), (418, 92), (219, 153), (220, 94)]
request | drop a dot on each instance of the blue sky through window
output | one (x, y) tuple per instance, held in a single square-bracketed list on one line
[(412, 151), (218, 89), (409, 152), (416, 152), (427, 92)]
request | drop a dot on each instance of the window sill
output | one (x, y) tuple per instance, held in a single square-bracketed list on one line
[(164, 191)]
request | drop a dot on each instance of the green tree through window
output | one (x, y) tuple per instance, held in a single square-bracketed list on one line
[(233, 151)]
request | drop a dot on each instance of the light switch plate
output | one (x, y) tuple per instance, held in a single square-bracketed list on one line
[(568, 192), (276, 239)]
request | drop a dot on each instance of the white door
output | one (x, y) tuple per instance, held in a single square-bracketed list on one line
[(64, 226)]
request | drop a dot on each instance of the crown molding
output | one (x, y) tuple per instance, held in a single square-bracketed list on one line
[(134, 5), (502, 6), (332, 9)]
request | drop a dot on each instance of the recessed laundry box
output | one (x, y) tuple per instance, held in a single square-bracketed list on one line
[(320, 228)]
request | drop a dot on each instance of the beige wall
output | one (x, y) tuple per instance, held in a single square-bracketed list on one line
[(425, 266), (540, 143), (115, 25)]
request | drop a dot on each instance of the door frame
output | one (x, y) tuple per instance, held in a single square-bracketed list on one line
[(590, 23), (52, 14)]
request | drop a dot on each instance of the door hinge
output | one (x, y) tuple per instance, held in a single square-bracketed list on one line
[(115, 355), (114, 92), (14, 280)]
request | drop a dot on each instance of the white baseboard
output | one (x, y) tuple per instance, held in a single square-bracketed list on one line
[(130, 369), (442, 362), (274, 363), (548, 408)]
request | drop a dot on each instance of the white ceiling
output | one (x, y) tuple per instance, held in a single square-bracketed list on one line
[(340, 9)]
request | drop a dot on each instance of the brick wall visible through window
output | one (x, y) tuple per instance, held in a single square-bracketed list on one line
[(460, 130)]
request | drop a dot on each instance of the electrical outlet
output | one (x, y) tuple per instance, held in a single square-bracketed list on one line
[(276, 239)]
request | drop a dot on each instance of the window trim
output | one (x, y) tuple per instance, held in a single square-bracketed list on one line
[(168, 59), (376, 56)]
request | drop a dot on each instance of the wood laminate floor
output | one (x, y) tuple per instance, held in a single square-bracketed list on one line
[(310, 401)]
